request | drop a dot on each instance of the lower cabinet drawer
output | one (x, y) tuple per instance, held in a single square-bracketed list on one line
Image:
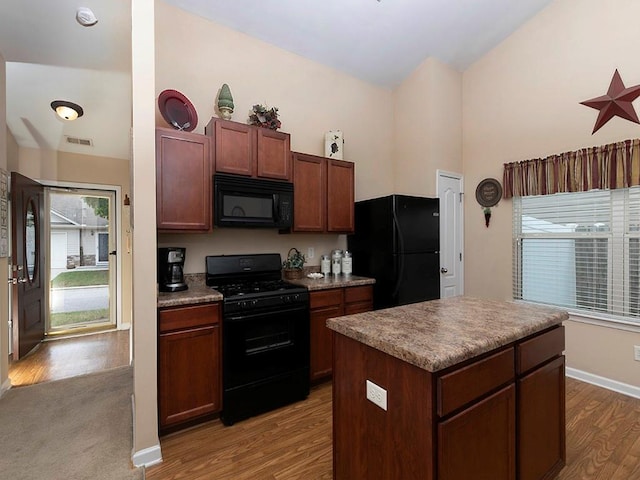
[(188, 317), (465, 384), (539, 349), (325, 298)]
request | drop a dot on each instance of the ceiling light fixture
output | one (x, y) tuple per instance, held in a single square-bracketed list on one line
[(86, 17), (67, 110)]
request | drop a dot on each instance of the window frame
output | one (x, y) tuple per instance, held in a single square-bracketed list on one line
[(624, 203)]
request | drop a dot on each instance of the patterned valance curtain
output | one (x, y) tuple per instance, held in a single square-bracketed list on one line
[(616, 165)]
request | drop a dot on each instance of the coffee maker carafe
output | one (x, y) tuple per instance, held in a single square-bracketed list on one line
[(170, 269)]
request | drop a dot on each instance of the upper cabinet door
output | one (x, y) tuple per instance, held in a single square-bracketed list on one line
[(234, 146), (274, 154), (340, 196), (183, 177), (249, 150), (309, 193)]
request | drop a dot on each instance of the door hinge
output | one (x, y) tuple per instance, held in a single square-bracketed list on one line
[(460, 256), (461, 194)]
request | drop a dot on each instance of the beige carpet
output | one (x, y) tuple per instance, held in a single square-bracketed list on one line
[(77, 428)]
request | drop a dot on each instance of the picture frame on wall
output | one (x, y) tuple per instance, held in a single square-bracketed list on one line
[(334, 144)]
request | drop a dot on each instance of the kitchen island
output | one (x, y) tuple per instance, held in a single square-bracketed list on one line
[(451, 389)]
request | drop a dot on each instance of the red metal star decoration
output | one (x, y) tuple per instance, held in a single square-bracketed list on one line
[(616, 103)]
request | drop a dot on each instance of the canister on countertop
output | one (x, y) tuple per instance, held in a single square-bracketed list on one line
[(325, 265), (336, 262), (347, 263)]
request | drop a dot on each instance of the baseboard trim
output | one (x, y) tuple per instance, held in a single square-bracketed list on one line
[(147, 457), (6, 386), (603, 382)]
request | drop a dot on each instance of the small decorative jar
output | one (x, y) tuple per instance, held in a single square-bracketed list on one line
[(325, 265), (347, 264), (336, 262)]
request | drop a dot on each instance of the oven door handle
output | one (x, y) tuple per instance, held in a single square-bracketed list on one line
[(249, 316)]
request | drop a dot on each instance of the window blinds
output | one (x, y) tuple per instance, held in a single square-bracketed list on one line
[(580, 251)]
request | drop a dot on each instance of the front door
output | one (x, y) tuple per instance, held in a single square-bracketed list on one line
[(451, 239), (28, 290)]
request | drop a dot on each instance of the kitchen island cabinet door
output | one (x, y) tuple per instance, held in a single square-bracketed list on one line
[(541, 421), (273, 154), (340, 196), (480, 442), (309, 194), (183, 178), (324, 305)]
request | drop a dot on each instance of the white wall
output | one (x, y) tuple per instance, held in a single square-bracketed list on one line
[(522, 101)]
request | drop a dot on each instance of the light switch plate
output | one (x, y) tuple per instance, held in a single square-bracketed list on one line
[(377, 395), (636, 353)]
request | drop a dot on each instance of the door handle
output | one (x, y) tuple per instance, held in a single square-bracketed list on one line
[(113, 252), (443, 270), (12, 281)]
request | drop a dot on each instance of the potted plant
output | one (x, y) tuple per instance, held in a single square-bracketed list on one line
[(263, 116), (293, 264)]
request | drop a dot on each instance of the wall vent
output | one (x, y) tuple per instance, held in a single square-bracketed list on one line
[(85, 142)]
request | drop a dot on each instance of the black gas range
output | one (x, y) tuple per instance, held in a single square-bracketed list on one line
[(265, 334)]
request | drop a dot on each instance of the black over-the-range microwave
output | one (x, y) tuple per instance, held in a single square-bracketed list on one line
[(251, 202)]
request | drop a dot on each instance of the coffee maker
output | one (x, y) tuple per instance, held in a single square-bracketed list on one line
[(170, 269)]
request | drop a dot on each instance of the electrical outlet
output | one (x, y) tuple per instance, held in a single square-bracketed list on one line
[(636, 353), (311, 252), (377, 395)]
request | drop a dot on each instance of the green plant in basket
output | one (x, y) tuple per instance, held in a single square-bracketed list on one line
[(294, 261)]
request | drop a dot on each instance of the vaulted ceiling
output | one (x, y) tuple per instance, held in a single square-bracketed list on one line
[(51, 57)]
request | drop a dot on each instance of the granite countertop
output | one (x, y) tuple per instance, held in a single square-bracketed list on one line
[(332, 281), (440, 333), (198, 292)]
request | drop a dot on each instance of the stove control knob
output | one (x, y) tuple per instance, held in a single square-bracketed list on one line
[(254, 302), (285, 299), (243, 304)]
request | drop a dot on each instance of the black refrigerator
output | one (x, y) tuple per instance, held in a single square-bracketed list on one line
[(397, 242)]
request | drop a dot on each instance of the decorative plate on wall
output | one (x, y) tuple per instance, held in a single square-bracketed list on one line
[(177, 110), (489, 192)]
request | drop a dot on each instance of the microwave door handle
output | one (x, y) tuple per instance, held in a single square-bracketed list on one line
[(276, 203)]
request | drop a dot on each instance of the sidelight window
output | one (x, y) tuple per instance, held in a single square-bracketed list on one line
[(580, 251)]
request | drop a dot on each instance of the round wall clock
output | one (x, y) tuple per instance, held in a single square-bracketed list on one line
[(489, 192)]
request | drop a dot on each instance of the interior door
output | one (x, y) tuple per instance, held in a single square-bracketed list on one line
[(27, 234), (451, 235)]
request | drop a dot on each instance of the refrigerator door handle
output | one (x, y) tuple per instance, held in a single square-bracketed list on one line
[(396, 289)]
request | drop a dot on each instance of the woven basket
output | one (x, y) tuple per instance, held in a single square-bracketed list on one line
[(293, 273)]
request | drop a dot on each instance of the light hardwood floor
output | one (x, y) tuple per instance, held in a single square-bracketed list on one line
[(70, 357), (294, 442)]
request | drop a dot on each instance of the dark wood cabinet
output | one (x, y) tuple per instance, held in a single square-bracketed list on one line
[(325, 304), (480, 441), (189, 369), (358, 299), (183, 181), (340, 196), (249, 150), (540, 408), (499, 416), (310, 192), (323, 194)]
